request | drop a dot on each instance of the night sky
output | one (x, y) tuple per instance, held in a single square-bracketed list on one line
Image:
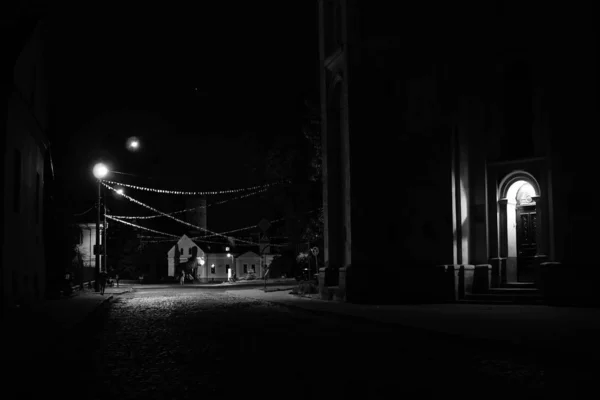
[(206, 89)]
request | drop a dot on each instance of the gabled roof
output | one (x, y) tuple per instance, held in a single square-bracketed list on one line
[(248, 254), (185, 241)]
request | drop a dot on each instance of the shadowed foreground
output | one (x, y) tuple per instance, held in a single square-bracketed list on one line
[(159, 344)]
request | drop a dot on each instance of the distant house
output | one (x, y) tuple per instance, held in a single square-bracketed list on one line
[(216, 264), (217, 267), (181, 252), (249, 262)]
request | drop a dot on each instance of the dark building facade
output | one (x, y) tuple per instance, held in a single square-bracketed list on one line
[(27, 171), (456, 143)]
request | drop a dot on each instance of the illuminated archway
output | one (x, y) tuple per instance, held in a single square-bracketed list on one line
[(517, 189), (514, 177)]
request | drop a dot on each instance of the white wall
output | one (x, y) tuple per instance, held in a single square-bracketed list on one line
[(248, 261), (219, 260)]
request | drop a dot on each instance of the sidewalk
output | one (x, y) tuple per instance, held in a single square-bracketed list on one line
[(572, 331), (256, 283), (42, 324)]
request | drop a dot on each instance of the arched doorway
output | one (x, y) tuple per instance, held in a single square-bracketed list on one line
[(519, 225)]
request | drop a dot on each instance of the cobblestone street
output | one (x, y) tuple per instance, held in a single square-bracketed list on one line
[(188, 343)]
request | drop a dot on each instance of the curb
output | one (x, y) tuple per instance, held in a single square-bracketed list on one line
[(277, 290), (88, 317), (531, 349)]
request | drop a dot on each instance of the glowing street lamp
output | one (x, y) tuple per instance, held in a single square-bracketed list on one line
[(100, 171), (120, 191), (133, 143)]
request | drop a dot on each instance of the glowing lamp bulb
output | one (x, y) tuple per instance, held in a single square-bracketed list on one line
[(134, 144), (100, 171), (120, 191)]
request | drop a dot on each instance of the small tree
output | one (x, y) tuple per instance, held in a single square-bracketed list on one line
[(302, 258)]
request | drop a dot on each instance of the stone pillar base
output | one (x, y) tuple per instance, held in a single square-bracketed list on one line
[(539, 260), (359, 285), (327, 277), (569, 284), (482, 278), (498, 271), (418, 284), (460, 280)]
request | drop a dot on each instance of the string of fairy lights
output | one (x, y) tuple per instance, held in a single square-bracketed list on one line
[(220, 234), (141, 227), (191, 208), (172, 217), (155, 239), (168, 237), (203, 193)]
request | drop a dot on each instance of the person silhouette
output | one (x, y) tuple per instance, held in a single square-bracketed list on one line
[(102, 281)]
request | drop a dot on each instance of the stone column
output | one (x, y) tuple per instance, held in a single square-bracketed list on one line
[(541, 228), (503, 239), (332, 190), (541, 235)]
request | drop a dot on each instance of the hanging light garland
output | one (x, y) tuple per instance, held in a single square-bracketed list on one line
[(232, 231), (205, 193), (192, 208), (244, 228), (256, 226), (154, 237), (141, 227), (172, 217), (165, 240)]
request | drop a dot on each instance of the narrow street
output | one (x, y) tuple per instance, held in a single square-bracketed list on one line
[(167, 343)]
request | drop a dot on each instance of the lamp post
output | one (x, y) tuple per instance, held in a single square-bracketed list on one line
[(262, 255), (232, 262), (315, 252), (105, 236), (100, 171), (105, 240)]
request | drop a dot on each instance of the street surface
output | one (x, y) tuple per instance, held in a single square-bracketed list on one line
[(170, 342)]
